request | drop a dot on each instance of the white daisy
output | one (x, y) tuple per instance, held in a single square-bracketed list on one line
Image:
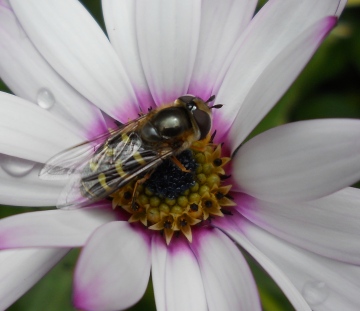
[(293, 212)]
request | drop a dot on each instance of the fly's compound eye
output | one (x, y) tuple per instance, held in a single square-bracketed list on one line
[(200, 112), (203, 120)]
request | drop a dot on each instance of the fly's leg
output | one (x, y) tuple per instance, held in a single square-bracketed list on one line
[(118, 123), (179, 164), (138, 182)]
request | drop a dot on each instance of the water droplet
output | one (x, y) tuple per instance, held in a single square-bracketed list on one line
[(16, 167), (315, 292), (45, 98)]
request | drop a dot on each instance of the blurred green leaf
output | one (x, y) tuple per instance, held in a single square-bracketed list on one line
[(353, 2)]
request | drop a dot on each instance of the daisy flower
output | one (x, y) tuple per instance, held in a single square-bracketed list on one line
[(283, 196)]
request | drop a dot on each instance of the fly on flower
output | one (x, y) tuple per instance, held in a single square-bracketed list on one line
[(100, 167)]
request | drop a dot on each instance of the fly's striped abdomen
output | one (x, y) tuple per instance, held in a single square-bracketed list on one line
[(113, 165)]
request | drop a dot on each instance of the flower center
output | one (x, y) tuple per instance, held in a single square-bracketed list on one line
[(180, 193), (169, 181)]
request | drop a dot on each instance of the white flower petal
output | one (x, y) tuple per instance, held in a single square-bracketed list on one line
[(300, 161), (21, 269), (229, 284), (328, 226), (5, 4), (276, 78), (183, 284), (326, 284), (29, 76), (267, 58), (222, 22), (30, 132), (21, 186), (71, 41), (113, 269), (158, 261), (121, 27), (168, 34), (57, 228), (232, 227)]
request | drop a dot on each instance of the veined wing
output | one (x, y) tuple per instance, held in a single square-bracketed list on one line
[(70, 161), (93, 185), (85, 180)]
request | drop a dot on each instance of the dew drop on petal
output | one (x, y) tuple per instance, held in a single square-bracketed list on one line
[(45, 99), (16, 167), (315, 292)]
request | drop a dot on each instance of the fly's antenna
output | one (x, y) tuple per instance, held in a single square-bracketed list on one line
[(212, 98), (216, 106)]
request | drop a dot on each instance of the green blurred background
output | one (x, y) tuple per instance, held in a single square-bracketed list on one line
[(329, 87)]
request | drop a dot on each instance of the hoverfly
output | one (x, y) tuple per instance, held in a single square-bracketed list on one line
[(99, 167)]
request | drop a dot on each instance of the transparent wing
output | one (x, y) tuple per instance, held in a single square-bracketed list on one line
[(65, 163), (69, 161), (73, 164), (97, 168), (71, 197), (93, 171), (83, 189)]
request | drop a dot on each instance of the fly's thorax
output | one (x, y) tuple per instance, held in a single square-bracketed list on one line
[(173, 200), (188, 120), (168, 125)]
